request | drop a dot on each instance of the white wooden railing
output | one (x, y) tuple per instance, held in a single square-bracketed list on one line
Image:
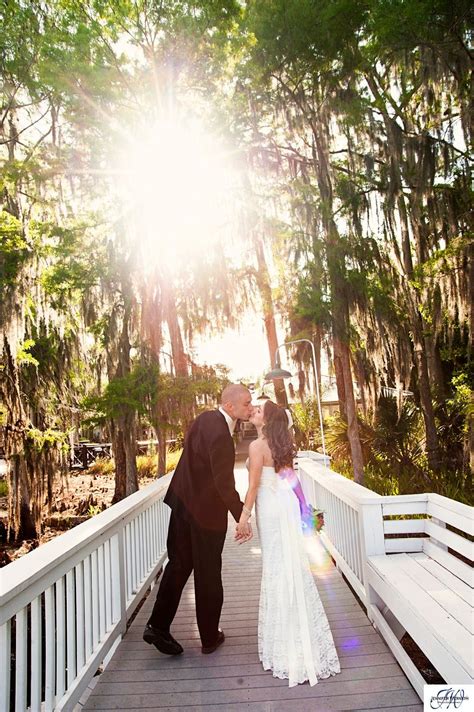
[(360, 524), (351, 528), (64, 606)]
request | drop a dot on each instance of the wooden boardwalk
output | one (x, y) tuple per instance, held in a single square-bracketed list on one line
[(232, 679)]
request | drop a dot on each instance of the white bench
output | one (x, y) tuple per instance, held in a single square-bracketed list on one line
[(418, 585)]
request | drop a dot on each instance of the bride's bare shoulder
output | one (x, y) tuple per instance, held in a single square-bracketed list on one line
[(256, 446)]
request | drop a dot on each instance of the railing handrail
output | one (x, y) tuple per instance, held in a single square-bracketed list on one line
[(362, 495), (356, 523), (350, 491), (26, 571), (76, 593)]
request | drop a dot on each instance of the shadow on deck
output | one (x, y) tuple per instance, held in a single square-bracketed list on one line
[(232, 679)]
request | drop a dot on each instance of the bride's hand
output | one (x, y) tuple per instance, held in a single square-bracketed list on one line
[(243, 532)]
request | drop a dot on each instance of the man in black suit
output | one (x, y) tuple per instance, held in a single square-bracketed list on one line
[(201, 493)]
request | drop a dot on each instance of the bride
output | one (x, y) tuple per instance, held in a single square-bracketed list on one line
[(294, 639)]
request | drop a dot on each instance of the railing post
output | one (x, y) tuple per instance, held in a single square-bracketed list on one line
[(5, 648), (119, 571), (373, 542)]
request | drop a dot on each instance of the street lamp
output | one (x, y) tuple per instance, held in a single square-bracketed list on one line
[(165, 353), (262, 395), (279, 372)]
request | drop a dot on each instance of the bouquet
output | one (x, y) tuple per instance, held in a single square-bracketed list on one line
[(313, 519)]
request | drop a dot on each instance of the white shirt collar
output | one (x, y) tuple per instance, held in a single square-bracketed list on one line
[(230, 421)]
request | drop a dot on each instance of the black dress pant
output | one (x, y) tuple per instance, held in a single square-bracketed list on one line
[(191, 548)]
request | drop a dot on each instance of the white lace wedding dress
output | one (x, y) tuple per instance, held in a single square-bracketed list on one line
[(294, 638)]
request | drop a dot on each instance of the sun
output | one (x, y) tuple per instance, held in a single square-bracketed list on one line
[(178, 183)]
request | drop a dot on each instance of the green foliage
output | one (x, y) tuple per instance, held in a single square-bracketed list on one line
[(393, 447), (312, 303), (14, 249), (3, 488), (23, 354), (77, 259), (48, 439), (343, 110), (93, 510), (306, 424), (126, 394), (394, 454), (454, 483), (178, 395)]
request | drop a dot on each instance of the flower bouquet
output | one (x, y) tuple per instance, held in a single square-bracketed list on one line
[(313, 519)]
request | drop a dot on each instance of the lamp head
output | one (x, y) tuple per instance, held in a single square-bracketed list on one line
[(277, 372)]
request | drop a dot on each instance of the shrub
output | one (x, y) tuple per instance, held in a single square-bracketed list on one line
[(172, 459), (306, 424), (146, 466), (102, 466)]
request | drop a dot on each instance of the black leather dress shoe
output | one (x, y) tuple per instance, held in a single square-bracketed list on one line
[(164, 642), (206, 649)]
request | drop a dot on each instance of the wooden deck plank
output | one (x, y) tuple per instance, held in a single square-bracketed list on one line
[(111, 686), (132, 695), (380, 701), (232, 678), (193, 676)]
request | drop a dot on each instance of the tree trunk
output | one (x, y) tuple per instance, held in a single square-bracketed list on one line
[(352, 423), (171, 316), (162, 448), (339, 304), (421, 362), (26, 527), (395, 156), (265, 290), (341, 390), (120, 459), (130, 446)]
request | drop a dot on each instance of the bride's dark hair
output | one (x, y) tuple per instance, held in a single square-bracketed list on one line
[(278, 435)]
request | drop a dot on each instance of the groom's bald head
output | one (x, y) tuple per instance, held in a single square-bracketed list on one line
[(237, 401), (233, 392)]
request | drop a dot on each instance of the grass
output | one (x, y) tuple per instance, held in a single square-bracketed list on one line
[(146, 465), (172, 459), (102, 466)]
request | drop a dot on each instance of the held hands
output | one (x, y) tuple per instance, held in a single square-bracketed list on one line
[(243, 532)]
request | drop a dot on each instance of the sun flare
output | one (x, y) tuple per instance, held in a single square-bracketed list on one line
[(178, 183)]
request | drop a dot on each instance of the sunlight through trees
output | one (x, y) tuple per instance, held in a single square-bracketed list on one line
[(168, 166)]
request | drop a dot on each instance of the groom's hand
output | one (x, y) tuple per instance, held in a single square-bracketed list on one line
[(243, 532)]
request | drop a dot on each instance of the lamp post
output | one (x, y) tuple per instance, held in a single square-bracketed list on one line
[(165, 353), (279, 372)]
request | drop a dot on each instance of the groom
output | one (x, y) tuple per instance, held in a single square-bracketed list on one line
[(201, 492)]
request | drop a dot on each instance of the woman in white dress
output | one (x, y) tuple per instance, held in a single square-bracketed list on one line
[(294, 638)]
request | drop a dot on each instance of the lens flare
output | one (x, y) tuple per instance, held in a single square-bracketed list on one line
[(176, 184)]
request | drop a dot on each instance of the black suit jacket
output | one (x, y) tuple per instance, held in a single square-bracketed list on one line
[(203, 484)]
